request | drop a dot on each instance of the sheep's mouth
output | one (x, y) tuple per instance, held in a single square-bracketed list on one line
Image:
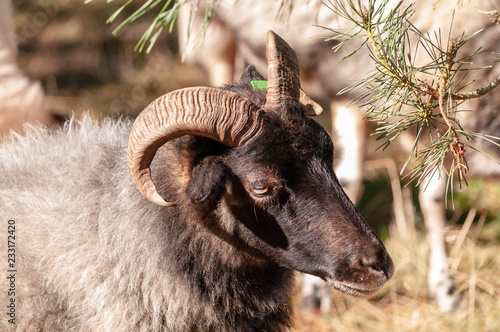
[(353, 290)]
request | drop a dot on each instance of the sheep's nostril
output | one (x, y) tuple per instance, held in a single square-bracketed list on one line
[(381, 263), (369, 263)]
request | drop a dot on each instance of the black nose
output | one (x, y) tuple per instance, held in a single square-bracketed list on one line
[(388, 266)]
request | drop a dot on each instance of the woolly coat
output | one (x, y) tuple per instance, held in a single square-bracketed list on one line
[(92, 254)]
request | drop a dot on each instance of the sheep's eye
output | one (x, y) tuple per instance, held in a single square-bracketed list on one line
[(261, 188)]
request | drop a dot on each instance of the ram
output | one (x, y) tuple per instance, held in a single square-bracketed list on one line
[(227, 191), (233, 35)]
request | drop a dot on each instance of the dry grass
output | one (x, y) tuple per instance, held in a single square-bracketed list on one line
[(403, 304)]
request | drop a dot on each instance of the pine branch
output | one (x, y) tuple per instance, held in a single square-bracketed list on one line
[(495, 15), (166, 17), (395, 97)]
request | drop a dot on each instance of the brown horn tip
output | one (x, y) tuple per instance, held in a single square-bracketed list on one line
[(219, 115), (283, 71), (312, 107)]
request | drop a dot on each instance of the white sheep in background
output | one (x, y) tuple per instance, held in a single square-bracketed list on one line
[(21, 100), (235, 30)]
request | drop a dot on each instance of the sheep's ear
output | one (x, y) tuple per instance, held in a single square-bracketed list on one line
[(207, 182), (250, 74)]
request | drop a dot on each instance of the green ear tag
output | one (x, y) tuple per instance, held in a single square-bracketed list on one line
[(259, 85)]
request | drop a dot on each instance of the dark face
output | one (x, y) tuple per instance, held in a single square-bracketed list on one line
[(279, 196)]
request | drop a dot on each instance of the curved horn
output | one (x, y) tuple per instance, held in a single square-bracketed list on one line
[(282, 71), (220, 115)]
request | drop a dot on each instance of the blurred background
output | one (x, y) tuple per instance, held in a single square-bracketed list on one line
[(69, 48)]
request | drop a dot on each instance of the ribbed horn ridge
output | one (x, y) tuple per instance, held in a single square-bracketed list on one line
[(282, 71), (220, 115)]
